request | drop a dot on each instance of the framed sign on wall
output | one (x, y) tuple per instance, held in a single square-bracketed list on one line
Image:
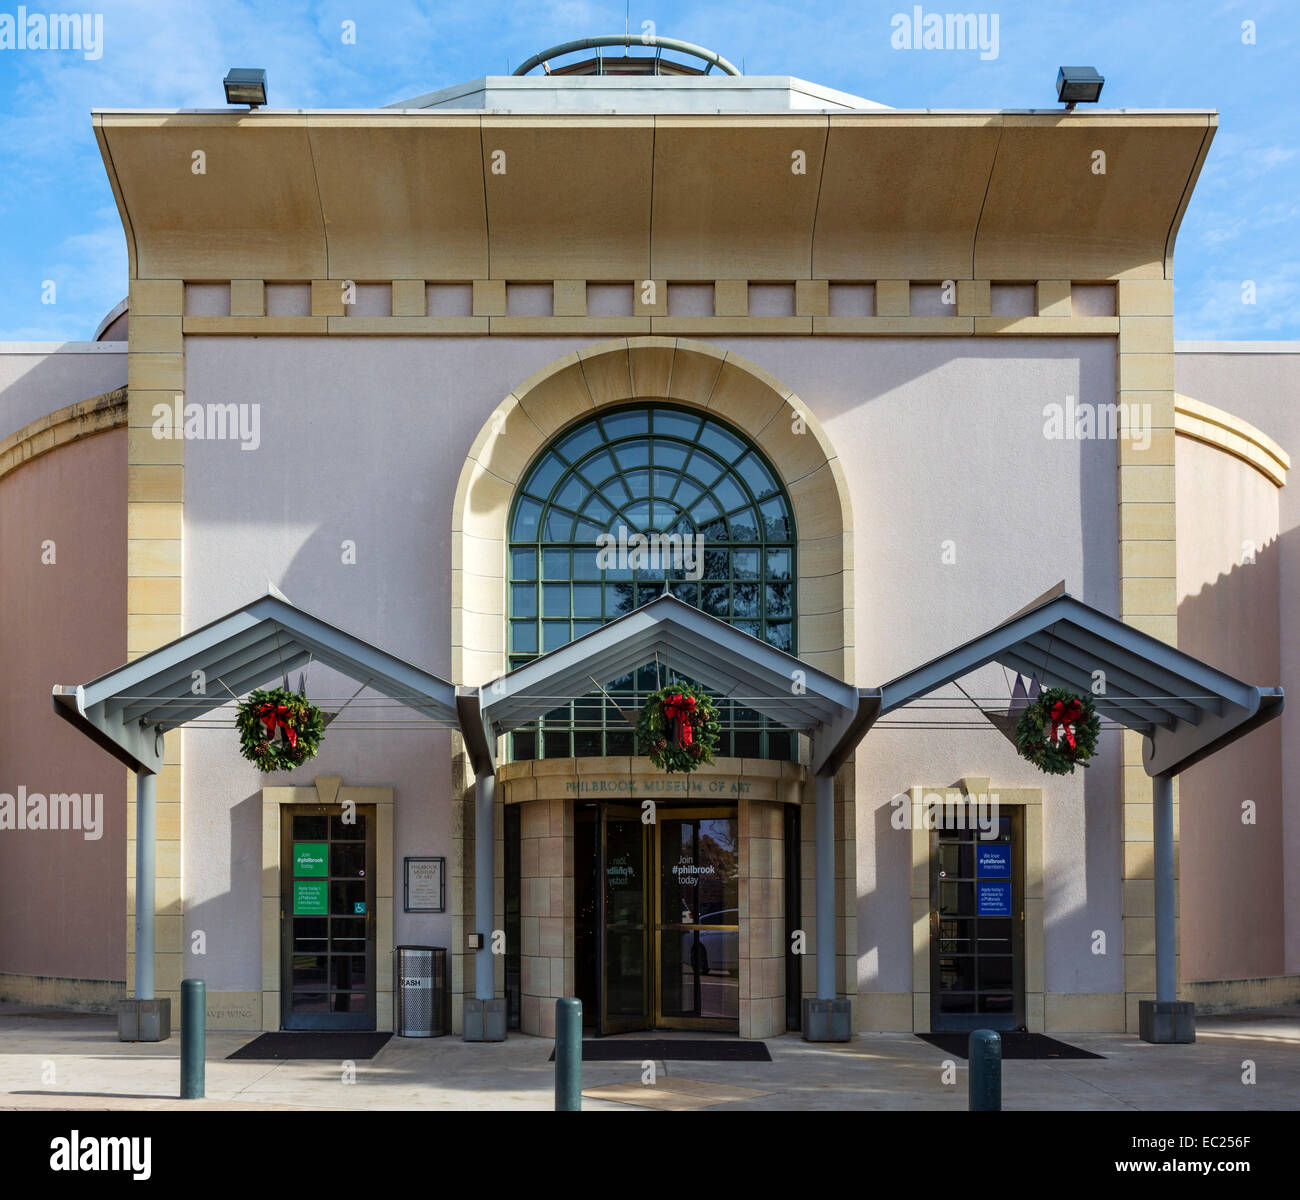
[(423, 890)]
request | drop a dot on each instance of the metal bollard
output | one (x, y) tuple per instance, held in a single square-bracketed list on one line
[(568, 1055), (985, 1080), (194, 1037)]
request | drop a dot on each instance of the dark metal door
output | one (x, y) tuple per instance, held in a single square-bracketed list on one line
[(977, 924), (327, 917)]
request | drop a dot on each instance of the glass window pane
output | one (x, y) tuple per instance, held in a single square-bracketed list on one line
[(555, 599), (780, 635), (716, 601), (527, 514), (727, 446), (572, 493), (348, 827), (777, 519), (555, 564), (587, 599), (677, 424), (757, 476), (523, 564), (523, 637), (559, 525), (586, 437), (555, 634), (584, 565), (598, 468), (543, 477), (307, 826), (523, 599), (778, 564)]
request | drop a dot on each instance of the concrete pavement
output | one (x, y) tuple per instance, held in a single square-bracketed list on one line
[(56, 1060)]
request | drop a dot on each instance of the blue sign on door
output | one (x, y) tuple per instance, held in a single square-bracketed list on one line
[(993, 861), (993, 898)]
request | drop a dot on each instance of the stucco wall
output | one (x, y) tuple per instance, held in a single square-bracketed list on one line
[(37, 378), (1231, 882), (943, 442), (364, 439), (62, 897), (1263, 387)]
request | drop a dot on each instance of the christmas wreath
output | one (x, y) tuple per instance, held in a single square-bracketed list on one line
[(678, 727), (1058, 731), (278, 729)]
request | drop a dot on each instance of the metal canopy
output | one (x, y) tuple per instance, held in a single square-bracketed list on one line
[(1185, 708), (716, 655), (129, 709)]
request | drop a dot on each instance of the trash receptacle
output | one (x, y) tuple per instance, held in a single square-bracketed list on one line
[(421, 995)]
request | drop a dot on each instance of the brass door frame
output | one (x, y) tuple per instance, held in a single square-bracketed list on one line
[(718, 812)]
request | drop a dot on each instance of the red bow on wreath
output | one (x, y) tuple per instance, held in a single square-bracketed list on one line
[(1061, 721), (679, 710), (277, 715)]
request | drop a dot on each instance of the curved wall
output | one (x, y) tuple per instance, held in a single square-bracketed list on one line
[(1231, 882), (62, 895)]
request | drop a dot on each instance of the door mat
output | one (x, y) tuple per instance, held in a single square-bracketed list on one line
[(1014, 1045), (671, 1049), (315, 1046)]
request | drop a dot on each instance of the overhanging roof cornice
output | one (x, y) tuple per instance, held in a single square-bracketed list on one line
[(128, 709), (673, 195)]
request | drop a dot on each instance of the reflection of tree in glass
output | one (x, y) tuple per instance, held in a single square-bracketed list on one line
[(717, 889)]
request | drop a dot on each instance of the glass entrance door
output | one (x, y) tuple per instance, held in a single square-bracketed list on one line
[(697, 935), (977, 921), (666, 918), (327, 918), (622, 920)]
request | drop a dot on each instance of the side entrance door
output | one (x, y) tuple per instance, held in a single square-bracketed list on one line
[(977, 923), (327, 917)]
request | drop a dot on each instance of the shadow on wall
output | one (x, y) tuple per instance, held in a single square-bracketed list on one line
[(1231, 883)]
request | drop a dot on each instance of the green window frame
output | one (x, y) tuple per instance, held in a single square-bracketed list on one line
[(647, 469)]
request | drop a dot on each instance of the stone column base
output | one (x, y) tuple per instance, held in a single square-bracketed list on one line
[(827, 1020), (1167, 1022), (144, 1020), (485, 1020)]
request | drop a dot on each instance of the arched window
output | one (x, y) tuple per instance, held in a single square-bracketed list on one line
[(718, 532)]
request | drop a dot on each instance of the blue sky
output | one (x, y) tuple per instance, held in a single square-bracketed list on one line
[(58, 221)]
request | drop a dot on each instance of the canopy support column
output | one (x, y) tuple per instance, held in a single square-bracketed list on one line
[(484, 1015), (145, 844), (1166, 1019), (144, 1017), (1162, 800), (828, 1018), (484, 883), (824, 794)]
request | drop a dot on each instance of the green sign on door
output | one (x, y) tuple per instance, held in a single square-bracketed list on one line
[(310, 899), (310, 858)]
